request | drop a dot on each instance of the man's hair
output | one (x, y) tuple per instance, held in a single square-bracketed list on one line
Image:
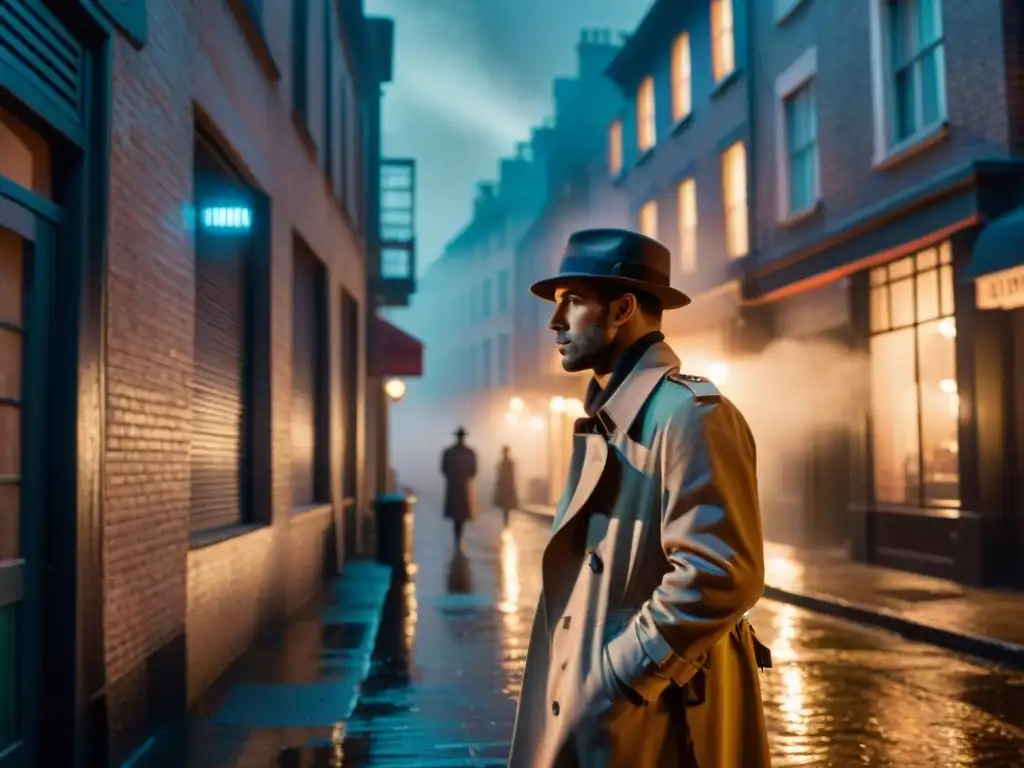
[(648, 304)]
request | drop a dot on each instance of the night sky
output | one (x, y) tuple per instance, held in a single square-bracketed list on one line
[(471, 78)]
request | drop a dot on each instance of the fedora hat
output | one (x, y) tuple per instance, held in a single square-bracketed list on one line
[(460, 432), (619, 257)]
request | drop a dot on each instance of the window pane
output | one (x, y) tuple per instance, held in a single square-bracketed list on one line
[(931, 80), (906, 123), (10, 363), (945, 253), (940, 411), (615, 147), (878, 276), (946, 289), (879, 308), (681, 97), (929, 22), (927, 295), (24, 156), (11, 280), (10, 518), (688, 226), (894, 418), (927, 259), (901, 268), (901, 309), (802, 180), (10, 440), (648, 219)]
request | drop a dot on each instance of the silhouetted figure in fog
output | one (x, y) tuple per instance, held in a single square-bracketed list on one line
[(505, 496), (458, 465)]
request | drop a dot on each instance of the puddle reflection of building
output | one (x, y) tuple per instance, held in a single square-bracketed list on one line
[(396, 634)]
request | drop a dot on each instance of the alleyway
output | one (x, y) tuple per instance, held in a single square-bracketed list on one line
[(448, 657)]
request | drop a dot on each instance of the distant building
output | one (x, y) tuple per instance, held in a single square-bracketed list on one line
[(189, 258), (887, 135)]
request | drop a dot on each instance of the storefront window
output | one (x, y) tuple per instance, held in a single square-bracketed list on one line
[(24, 156), (914, 401)]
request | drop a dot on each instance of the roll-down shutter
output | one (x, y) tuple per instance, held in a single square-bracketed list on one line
[(218, 390)]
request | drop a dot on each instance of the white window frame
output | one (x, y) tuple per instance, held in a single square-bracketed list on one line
[(646, 119), (719, 69), (682, 77), (883, 96), (798, 74)]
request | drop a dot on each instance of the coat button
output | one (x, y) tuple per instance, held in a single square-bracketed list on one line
[(565, 622), (596, 563), (554, 708)]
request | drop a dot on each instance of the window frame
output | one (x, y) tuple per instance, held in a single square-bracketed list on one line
[(887, 149), (728, 204), (880, 278), (802, 72), (687, 230), (682, 76), (719, 70), (646, 116)]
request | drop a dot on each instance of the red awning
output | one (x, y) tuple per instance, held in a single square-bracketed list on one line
[(393, 352)]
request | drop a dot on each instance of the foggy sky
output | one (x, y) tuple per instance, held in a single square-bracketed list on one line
[(470, 79)]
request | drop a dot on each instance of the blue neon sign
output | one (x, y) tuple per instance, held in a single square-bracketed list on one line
[(232, 218)]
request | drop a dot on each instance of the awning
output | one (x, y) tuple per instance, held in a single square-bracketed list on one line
[(1000, 246), (393, 352)]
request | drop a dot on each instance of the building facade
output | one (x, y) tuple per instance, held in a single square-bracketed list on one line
[(185, 193), (887, 135), (680, 152)]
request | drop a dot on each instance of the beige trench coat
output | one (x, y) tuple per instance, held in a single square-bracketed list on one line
[(655, 555)]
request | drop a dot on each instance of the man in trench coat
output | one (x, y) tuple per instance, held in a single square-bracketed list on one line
[(458, 465), (640, 654)]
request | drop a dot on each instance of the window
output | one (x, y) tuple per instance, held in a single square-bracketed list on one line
[(734, 197), (328, 88), (310, 416), (485, 364), (914, 402), (615, 148), (909, 72), (300, 57), (647, 219), (723, 42), (503, 290), (682, 95), (646, 128), (485, 298), (688, 226), (504, 359), (797, 139)]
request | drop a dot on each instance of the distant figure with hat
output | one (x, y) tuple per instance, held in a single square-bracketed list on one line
[(656, 550), (505, 496), (458, 465)]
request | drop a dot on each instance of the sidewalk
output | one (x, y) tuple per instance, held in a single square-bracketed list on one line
[(986, 623)]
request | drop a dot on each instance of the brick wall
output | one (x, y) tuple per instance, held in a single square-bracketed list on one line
[(1013, 25), (976, 100), (158, 592)]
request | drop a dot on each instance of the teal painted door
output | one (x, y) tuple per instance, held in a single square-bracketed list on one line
[(26, 238)]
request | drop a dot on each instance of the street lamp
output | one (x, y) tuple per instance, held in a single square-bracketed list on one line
[(395, 389)]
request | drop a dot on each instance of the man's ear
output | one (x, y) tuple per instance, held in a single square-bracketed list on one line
[(626, 306)]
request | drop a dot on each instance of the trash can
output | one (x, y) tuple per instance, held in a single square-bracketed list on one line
[(394, 530)]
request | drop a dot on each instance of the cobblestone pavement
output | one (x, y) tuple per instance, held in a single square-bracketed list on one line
[(839, 695), (446, 657)]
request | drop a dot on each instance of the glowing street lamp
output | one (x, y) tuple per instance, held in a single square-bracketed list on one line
[(557, 405), (516, 405), (395, 389)]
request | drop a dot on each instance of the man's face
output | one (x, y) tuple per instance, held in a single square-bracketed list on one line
[(583, 328)]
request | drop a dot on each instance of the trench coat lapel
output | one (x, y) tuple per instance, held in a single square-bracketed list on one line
[(616, 416)]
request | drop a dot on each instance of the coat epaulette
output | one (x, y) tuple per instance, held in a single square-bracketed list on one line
[(703, 389)]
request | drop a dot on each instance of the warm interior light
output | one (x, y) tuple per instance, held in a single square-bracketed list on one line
[(516, 404), (537, 423), (395, 389), (948, 386), (557, 404), (948, 328)]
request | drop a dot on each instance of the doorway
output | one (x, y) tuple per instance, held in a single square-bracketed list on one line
[(26, 246), (350, 420)]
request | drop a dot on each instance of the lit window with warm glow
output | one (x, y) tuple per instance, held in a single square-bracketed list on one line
[(646, 131), (688, 226), (615, 148), (682, 94), (915, 402), (647, 220), (734, 198), (723, 40)]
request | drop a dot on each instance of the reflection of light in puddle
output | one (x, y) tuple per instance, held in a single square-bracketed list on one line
[(509, 575), (411, 615), (793, 704), (784, 571), (513, 649)]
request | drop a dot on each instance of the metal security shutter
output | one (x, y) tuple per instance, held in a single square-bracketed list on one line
[(218, 388)]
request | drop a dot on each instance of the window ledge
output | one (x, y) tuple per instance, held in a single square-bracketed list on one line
[(645, 155), (252, 30), (307, 511), (783, 16), (796, 218), (681, 124), (203, 539), (723, 85), (913, 146), (299, 120)]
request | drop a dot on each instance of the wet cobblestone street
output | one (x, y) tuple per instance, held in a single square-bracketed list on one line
[(443, 689)]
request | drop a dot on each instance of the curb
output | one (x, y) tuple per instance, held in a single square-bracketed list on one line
[(987, 648)]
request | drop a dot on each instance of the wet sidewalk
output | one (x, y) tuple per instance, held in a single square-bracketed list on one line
[(988, 623)]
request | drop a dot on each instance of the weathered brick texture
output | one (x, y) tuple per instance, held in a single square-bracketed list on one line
[(159, 594)]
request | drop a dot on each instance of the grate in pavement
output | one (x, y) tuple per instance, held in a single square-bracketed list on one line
[(921, 595)]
